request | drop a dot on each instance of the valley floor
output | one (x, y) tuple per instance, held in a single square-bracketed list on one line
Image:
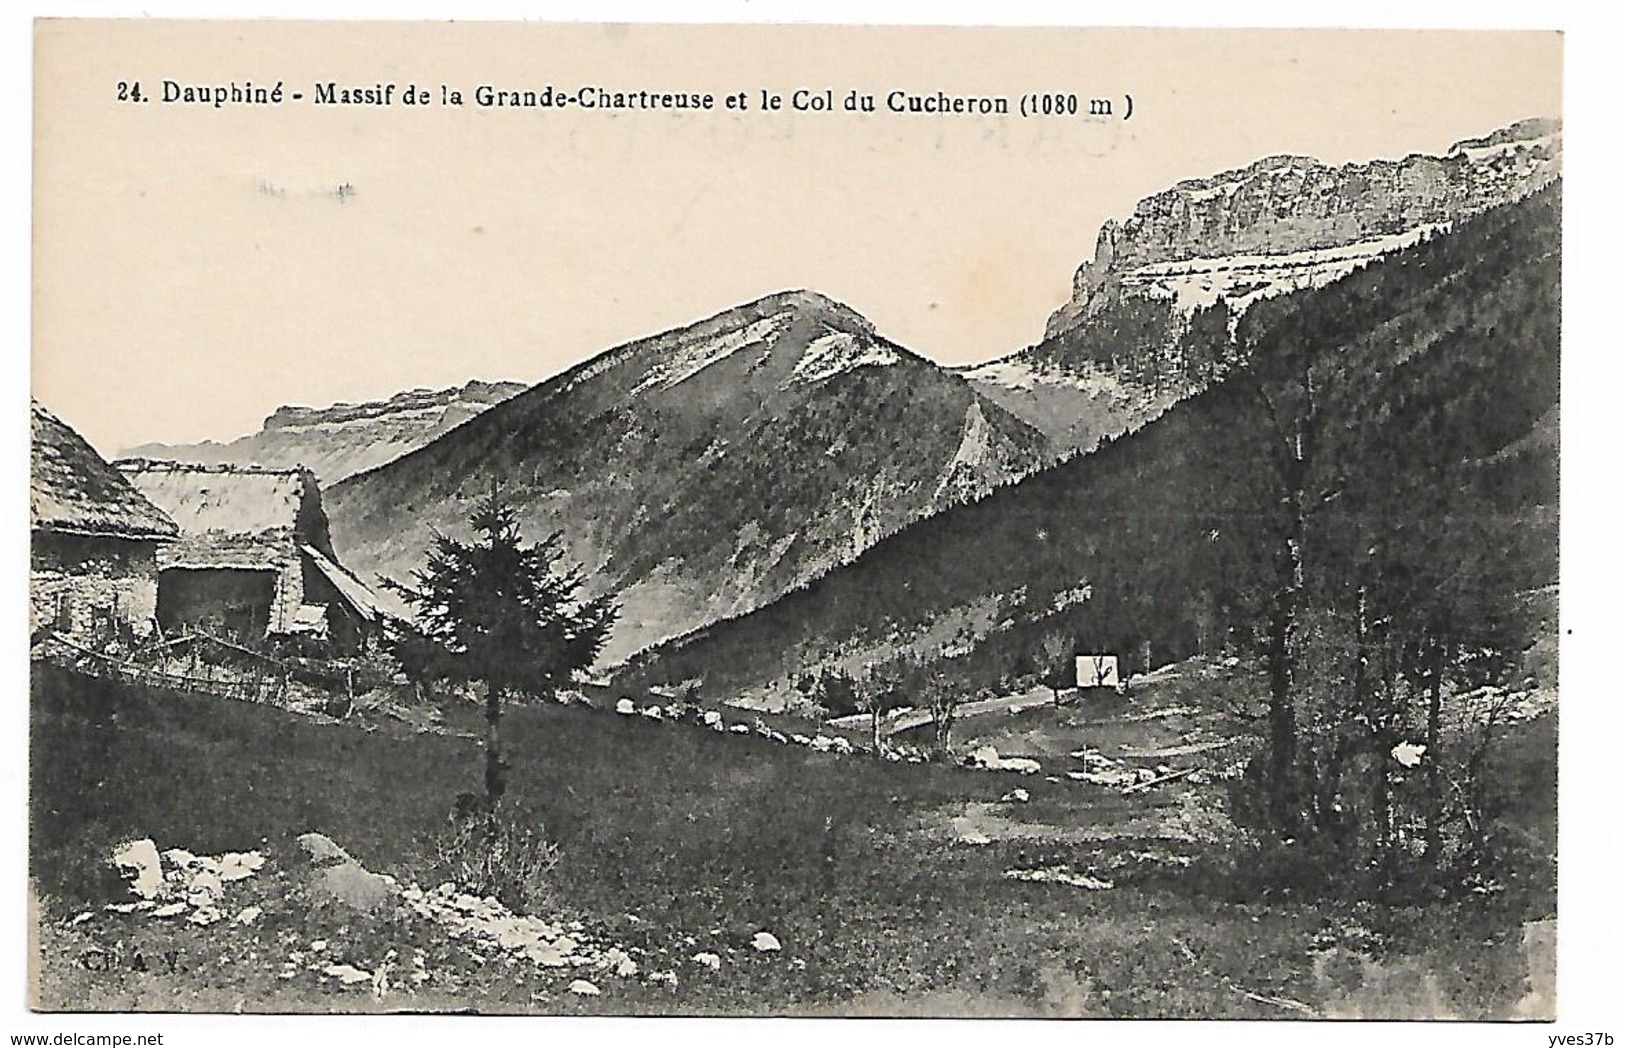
[(890, 888)]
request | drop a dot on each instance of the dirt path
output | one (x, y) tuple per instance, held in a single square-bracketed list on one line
[(918, 718)]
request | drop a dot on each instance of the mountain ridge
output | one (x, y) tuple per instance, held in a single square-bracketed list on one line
[(613, 452), (1445, 362), (344, 438)]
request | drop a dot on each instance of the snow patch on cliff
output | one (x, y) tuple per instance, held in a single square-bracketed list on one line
[(975, 448), (1242, 280), (686, 361), (840, 351)]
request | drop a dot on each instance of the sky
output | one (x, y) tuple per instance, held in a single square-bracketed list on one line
[(195, 268)]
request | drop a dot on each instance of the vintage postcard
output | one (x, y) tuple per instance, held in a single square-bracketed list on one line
[(791, 520)]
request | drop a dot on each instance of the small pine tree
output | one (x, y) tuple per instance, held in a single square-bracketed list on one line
[(501, 614)]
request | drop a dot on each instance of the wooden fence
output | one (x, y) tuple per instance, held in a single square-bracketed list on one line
[(205, 678)]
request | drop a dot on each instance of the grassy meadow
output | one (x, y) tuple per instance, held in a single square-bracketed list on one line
[(885, 882)]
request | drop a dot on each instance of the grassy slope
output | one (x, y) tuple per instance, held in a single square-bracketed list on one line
[(706, 838)]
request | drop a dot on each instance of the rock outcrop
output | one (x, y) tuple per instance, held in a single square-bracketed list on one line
[(1285, 213)]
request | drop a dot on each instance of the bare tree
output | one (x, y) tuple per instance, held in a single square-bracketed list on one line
[(944, 694), (1058, 651), (879, 691)]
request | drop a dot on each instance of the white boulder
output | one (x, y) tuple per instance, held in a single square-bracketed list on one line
[(237, 866), (1408, 754), (347, 974), (987, 757), (141, 858)]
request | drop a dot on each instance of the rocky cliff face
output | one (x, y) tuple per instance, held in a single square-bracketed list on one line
[(1286, 222), (1150, 314), (344, 439)]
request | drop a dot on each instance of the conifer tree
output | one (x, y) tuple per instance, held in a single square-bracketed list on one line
[(504, 616)]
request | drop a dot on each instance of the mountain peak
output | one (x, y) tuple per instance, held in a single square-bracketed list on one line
[(1525, 132), (815, 305)]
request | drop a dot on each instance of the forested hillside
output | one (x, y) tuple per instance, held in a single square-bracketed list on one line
[(1427, 383)]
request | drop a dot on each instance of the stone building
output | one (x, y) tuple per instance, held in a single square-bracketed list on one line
[(95, 539), (254, 559)]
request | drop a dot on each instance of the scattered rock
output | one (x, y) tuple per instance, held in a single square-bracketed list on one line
[(619, 962), (709, 960), (765, 942), (988, 759), (248, 915), (204, 888), (237, 866), (584, 988), (174, 909), (974, 838), (81, 918), (740, 729), (1106, 777), (1408, 754), (347, 974), (322, 849), (340, 880), (1017, 795), (204, 916), (1060, 875), (142, 857), (654, 713), (547, 956)]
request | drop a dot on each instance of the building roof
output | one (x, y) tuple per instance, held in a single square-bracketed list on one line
[(74, 490), (227, 499), (352, 589)]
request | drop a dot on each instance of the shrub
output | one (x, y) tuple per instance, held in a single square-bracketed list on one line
[(496, 852)]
